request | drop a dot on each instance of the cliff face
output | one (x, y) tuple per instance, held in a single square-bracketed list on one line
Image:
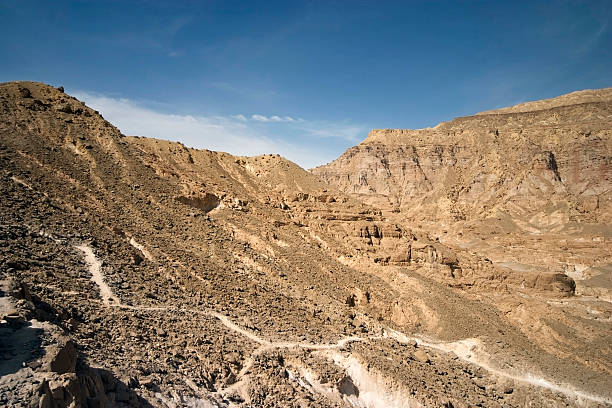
[(528, 187), (516, 161)]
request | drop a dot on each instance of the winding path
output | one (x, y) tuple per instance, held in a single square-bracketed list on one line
[(467, 350)]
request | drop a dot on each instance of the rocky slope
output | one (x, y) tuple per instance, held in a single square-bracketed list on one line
[(529, 186), (167, 276)]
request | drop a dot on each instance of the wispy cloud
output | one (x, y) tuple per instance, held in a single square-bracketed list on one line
[(240, 117), (339, 130), (275, 118), (592, 39), (156, 36), (296, 139)]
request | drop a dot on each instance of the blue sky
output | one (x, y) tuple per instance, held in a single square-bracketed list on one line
[(306, 79)]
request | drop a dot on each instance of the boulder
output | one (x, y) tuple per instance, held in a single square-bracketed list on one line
[(64, 361), (421, 356)]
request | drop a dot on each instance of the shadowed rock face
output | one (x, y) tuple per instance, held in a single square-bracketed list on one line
[(205, 203), (188, 277)]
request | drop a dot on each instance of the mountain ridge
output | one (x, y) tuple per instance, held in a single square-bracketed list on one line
[(565, 131)]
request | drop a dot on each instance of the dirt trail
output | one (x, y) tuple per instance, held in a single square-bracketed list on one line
[(95, 267), (109, 299), (468, 350)]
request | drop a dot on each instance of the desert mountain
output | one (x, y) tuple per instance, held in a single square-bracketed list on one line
[(529, 186), (140, 272), (520, 160)]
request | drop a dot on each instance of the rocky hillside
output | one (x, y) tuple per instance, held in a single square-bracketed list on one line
[(521, 160), (139, 272), (536, 177)]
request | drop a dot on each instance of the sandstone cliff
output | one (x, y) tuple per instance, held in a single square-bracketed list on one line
[(529, 186), (539, 156)]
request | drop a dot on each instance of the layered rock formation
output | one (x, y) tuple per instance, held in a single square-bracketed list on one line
[(186, 277), (528, 186), (517, 160)]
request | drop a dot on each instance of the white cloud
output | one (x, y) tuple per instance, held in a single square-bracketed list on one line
[(274, 118), (233, 134), (260, 118), (240, 117)]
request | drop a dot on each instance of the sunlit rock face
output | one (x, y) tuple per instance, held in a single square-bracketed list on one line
[(515, 160), (528, 187)]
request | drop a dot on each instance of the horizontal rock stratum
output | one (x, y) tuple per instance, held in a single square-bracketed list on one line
[(517, 160), (155, 274)]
